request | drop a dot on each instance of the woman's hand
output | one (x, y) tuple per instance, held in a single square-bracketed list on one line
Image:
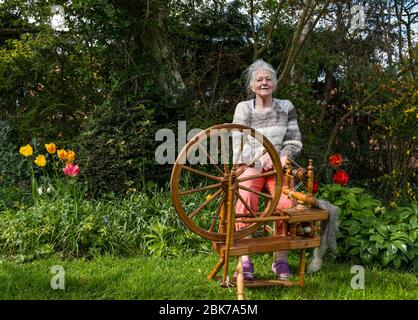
[(266, 162), (283, 160)]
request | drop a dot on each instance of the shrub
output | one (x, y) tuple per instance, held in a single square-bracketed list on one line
[(141, 223), (370, 233), (12, 169), (114, 150)]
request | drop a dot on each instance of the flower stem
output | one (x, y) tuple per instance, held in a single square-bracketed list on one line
[(75, 201), (34, 185)]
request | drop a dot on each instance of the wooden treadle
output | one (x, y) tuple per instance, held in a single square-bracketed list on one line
[(267, 244), (267, 283)]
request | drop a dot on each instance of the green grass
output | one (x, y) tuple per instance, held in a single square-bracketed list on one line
[(152, 278)]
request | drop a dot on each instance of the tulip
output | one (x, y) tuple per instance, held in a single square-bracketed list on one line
[(70, 156), (341, 177), (51, 148), (71, 169), (40, 161), (62, 154), (26, 150), (315, 187), (336, 159)]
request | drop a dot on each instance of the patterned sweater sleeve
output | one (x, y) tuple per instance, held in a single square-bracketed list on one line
[(241, 116), (292, 142)]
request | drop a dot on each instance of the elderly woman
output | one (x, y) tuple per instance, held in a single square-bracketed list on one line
[(276, 119)]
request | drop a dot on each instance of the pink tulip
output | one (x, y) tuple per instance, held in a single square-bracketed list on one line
[(71, 169)]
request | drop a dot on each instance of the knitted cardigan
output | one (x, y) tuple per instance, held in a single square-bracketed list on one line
[(278, 124)]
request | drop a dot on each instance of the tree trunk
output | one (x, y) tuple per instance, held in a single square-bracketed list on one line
[(399, 11), (166, 66)]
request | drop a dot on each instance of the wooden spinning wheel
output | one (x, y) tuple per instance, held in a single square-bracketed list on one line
[(205, 186), (206, 179)]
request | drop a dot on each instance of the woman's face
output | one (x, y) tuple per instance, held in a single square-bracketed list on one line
[(263, 84)]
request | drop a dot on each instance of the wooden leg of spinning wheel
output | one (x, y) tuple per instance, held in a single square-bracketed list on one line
[(230, 227), (302, 267), (240, 279), (215, 270)]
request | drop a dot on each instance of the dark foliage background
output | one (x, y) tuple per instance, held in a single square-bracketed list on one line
[(121, 70)]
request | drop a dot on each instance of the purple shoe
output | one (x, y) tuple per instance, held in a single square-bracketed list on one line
[(281, 270), (248, 269)]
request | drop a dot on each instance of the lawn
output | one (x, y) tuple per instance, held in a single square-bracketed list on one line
[(184, 278)]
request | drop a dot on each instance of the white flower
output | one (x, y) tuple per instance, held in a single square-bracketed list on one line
[(40, 191), (380, 209), (49, 189)]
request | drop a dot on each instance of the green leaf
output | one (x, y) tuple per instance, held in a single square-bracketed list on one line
[(387, 258), (399, 235), (411, 254), (382, 229), (335, 187), (339, 202), (354, 251), (354, 228), (378, 238), (366, 257), (392, 249), (353, 242), (413, 222), (397, 262), (412, 236), (415, 263), (373, 250), (356, 190), (401, 246), (404, 212)]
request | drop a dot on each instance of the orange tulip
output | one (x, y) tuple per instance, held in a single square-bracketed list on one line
[(51, 148), (62, 154), (70, 156)]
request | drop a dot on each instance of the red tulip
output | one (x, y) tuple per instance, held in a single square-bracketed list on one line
[(341, 177), (336, 159), (71, 169), (315, 187)]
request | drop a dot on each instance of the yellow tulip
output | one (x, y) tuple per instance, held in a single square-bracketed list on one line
[(51, 148), (62, 154), (26, 150), (40, 161), (70, 156), (208, 197)]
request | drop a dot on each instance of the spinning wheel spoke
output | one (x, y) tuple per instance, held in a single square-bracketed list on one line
[(242, 138), (235, 163), (211, 161), (252, 162), (245, 203), (204, 174), (255, 191), (217, 213), (205, 203), (211, 186), (261, 175)]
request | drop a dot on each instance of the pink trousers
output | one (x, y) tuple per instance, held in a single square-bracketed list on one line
[(252, 199)]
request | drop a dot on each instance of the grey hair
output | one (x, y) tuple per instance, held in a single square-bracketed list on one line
[(250, 72)]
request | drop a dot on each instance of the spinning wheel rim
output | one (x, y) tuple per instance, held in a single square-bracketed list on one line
[(178, 168)]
